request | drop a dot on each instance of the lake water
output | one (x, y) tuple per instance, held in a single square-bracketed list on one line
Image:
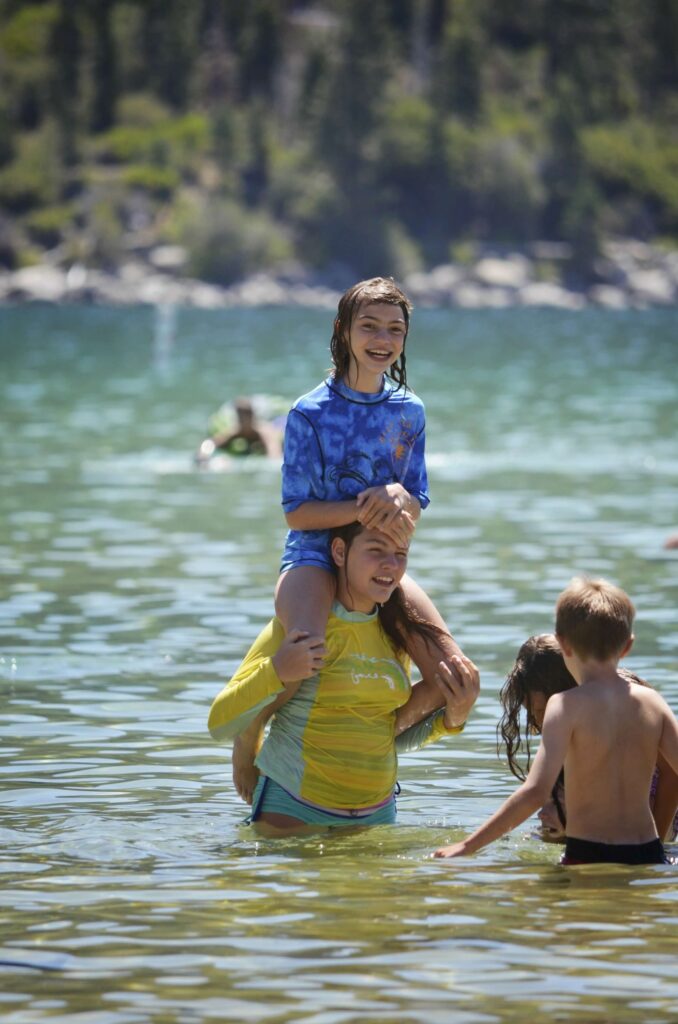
[(133, 584)]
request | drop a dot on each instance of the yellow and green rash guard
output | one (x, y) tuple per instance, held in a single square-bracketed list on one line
[(334, 742)]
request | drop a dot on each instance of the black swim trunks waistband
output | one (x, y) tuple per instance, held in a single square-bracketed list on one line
[(585, 851)]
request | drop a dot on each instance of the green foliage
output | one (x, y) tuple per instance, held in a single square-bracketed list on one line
[(104, 66), (464, 252), (127, 26), (580, 226), (508, 118), (160, 181), (25, 35), (169, 42), (32, 178), (226, 243), (27, 256), (105, 231), (124, 143), (142, 110), (259, 45), (355, 93), (21, 187), (174, 143), (307, 197), (48, 225), (403, 254), (593, 47), (25, 63), (6, 135), (229, 132), (508, 190), (406, 136), (637, 157), (379, 134), (459, 81)]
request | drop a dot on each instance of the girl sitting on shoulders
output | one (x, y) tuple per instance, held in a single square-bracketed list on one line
[(330, 756)]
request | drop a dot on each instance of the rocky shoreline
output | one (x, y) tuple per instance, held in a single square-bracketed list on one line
[(629, 275)]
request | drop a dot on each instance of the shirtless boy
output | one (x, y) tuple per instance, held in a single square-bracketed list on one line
[(607, 732)]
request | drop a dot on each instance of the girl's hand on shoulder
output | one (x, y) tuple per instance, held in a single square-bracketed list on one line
[(379, 506), (299, 656), (459, 683)]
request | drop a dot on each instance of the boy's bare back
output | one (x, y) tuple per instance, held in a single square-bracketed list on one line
[(609, 730)]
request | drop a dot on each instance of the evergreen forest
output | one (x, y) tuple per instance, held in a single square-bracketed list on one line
[(361, 134)]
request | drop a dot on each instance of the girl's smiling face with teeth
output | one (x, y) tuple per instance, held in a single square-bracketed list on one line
[(370, 569), (376, 341)]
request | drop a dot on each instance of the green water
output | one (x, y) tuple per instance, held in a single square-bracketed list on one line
[(132, 585)]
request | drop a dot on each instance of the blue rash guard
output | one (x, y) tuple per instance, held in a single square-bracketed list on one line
[(337, 443)]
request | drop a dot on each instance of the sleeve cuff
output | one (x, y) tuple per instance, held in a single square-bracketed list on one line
[(455, 728)]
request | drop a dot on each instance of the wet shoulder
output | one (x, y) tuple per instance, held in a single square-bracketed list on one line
[(621, 703), (647, 698)]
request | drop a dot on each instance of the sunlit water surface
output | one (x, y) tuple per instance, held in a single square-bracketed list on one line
[(132, 585)]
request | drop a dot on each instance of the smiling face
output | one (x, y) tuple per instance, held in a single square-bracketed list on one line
[(370, 568), (376, 340)]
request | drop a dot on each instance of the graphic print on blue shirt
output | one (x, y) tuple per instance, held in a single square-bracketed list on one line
[(357, 467), (337, 443)]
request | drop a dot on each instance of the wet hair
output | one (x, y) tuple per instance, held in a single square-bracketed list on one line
[(397, 617), (376, 289), (539, 668), (595, 617)]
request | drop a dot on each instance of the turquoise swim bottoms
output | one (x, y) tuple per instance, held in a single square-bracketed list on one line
[(269, 796)]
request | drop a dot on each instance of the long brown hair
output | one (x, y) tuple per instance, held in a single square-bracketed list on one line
[(376, 289), (538, 668), (397, 618)]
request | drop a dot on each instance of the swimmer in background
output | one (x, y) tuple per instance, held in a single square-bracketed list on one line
[(607, 732), (250, 436), (538, 673)]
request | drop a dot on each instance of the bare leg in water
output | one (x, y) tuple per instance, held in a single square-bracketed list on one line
[(303, 601)]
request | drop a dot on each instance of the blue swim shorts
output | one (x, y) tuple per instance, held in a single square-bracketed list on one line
[(269, 796)]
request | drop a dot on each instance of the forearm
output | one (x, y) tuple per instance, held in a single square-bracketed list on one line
[(429, 730), (322, 515), (424, 700), (253, 736), (519, 806)]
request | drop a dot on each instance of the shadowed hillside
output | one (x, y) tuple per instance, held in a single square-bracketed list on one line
[(346, 137)]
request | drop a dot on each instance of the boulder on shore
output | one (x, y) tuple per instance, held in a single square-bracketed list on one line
[(629, 274)]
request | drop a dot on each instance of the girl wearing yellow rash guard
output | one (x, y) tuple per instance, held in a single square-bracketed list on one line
[(330, 756)]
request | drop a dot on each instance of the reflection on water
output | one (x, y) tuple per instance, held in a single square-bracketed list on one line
[(132, 584)]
